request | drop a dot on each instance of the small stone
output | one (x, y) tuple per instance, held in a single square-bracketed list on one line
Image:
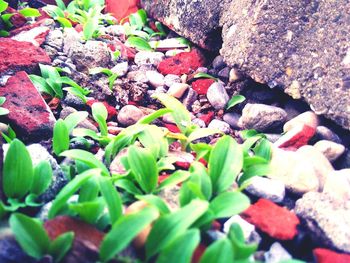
[(3, 127), (178, 89), (217, 96), (220, 126), (189, 98), (232, 119), (235, 75), (218, 63), (129, 115), (277, 254), (327, 219), (338, 184), (171, 196), (148, 58), (201, 70), (55, 39), (86, 124), (170, 79), (308, 118), (115, 30), (120, 69), (173, 52), (297, 137), (116, 165), (36, 35), (70, 38), (272, 190), (262, 117), (200, 123), (224, 73), (323, 255), (137, 76), (73, 101), (155, 78), (272, 137), (323, 133), (330, 149), (278, 222)]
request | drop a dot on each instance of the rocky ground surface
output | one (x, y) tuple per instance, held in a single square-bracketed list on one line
[(300, 208)]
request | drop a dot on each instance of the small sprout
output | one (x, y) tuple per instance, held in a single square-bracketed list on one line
[(204, 75), (234, 101), (139, 43)]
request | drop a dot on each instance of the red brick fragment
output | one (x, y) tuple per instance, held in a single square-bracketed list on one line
[(323, 255), (202, 85), (296, 137)]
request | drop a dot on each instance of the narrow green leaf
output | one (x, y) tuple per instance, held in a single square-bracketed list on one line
[(17, 171), (181, 249), (170, 226), (61, 4), (100, 114), (201, 133), (67, 191), (263, 149), (2, 100), (177, 177), (64, 22), (234, 101), (124, 231), (30, 234), (90, 211), (61, 245), (241, 249), (42, 178), (3, 6), (204, 75), (128, 186), (200, 176), (4, 111), (229, 204), (138, 43), (73, 119), (153, 116), (60, 141), (89, 28), (219, 252), (156, 201), (29, 12), (225, 163), (41, 84), (255, 170)]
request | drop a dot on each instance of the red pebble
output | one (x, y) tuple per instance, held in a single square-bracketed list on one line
[(122, 8), (202, 85), (323, 255), (18, 20), (183, 165), (207, 118), (182, 63), (111, 110), (216, 225), (296, 137), (278, 222), (172, 128)]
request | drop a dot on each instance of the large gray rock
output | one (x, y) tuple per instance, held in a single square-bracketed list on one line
[(303, 46), (196, 20)]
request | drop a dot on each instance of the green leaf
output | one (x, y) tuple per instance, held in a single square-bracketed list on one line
[(29, 12), (219, 252), (138, 19), (240, 248), (201, 133), (153, 139), (228, 204), (156, 201), (112, 199), (263, 149), (60, 141), (177, 177), (234, 101), (225, 163), (86, 157), (144, 168), (199, 175), (4, 111), (128, 186), (202, 150), (153, 116), (61, 4), (73, 119), (179, 112), (255, 170), (67, 191), (204, 75), (64, 22), (41, 84), (89, 191), (89, 28), (170, 226), (253, 160), (61, 245), (42, 178), (4, 33), (76, 92), (100, 114), (3, 6), (138, 43), (2, 100), (99, 70), (90, 211), (30, 234), (124, 231), (181, 249), (17, 171)]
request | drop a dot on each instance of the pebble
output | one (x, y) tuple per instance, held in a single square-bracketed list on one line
[(199, 122), (308, 118), (219, 125), (138, 76), (173, 52), (201, 70), (129, 115), (273, 190), (217, 96), (155, 78), (170, 79), (116, 165), (323, 133), (235, 75), (277, 254), (86, 124), (297, 137), (148, 58), (178, 89), (189, 98), (272, 137), (120, 69), (55, 39), (338, 184), (262, 117), (232, 119), (3, 127), (115, 30), (330, 149), (218, 63), (224, 73), (327, 219), (171, 196)]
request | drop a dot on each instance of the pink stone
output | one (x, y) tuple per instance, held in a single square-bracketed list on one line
[(278, 222)]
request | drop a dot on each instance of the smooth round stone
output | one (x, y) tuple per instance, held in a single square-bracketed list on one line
[(3, 127), (235, 75), (120, 69), (219, 125), (277, 254), (115, 30), (224, 73), (199, 122), (217, 96), (138, 76), (170, 79), (323, 133), (273, 190), (338, 184), (308, 118), (178, 89), (218, 63), (148, 58), (155, 78), (202, 70), (330, 149), (232, 119), (129, 115), (272, 137)]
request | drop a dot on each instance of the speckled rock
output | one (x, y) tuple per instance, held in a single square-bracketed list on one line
[(330, 149), (129, 115), (299, 45), (148, 58), (220, 126), (155, 78), (217, 95), (328, 219), (120, 69)]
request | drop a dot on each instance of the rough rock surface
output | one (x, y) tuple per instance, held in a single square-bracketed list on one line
[(16, 56), (327, 219), (299, 45), (29, 114), (195, 20)]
